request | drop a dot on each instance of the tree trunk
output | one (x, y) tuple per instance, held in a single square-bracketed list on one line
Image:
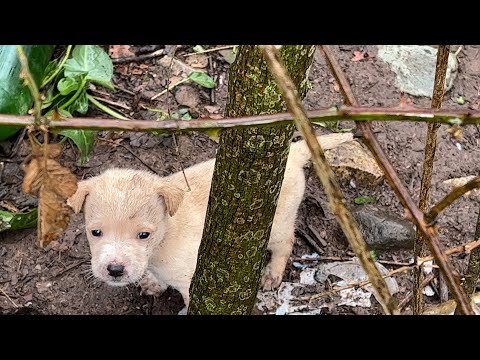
[(246, 184)]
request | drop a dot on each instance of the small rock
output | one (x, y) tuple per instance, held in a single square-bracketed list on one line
[(43, 286), (351, 160), (307, 277), (415, 67), (383, 230), (228, 55), (14, 279), (187, 96), (38, 267), (450, 184)]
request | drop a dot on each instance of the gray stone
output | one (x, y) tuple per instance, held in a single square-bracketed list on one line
[(383, 230), (415, 67)]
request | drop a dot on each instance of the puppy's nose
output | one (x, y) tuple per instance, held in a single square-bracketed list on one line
[(115, 270)]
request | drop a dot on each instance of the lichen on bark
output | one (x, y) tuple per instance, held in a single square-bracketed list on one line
[(246, 184)]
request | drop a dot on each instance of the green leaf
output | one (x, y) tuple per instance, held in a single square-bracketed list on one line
[(365, 200), (84, 139), (460, 100), (92, 62), (18, 221), (187, 116), (80, 105), (65, 113), (50, 69), (67, 85), (202, 79)]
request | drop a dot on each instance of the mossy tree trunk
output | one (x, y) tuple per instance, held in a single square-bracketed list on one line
[(246, 184)]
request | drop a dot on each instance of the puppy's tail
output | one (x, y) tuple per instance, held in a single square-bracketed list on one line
[(300, 154)]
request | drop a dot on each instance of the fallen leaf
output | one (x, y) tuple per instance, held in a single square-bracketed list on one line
[(8, 206), (199, 61), (137, 71), (121, 69), (212, 109), (53, 185), (43, 286), (120, 51), (336, 87), (228, 55), (359, 56), (143, 66)]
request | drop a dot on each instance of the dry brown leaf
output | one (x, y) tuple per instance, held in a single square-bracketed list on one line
[(53, 187), (121, 69), (120, 51), (359, 56), (198, 61), (8, 206), (137, 71)]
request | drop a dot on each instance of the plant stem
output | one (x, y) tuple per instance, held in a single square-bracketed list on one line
[(28, 78), (105, 108), (76, 95), (430, 148), (59, 67)]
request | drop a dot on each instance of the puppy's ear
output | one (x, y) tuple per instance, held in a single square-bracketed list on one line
[(172, 195), (76, 200)]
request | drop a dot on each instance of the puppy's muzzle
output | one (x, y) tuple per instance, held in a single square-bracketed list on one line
[(115, 270)]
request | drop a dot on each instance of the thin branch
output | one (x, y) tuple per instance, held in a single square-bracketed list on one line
[(451, 197), (409, 295), (466, 248), (142, 57), (430, 148), (105, 108), (8, 297), (400, 190), (210, 50), (325, 173), (355, 113)]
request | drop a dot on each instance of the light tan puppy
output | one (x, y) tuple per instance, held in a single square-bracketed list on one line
[(146, 229)]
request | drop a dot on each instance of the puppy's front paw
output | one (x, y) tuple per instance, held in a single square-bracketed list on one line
[(149, 286), (270, 281)]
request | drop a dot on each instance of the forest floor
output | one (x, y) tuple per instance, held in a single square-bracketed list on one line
[(42, 281)]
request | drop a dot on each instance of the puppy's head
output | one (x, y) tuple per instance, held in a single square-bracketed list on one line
[(125, 215)]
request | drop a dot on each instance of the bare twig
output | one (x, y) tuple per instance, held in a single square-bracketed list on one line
[(466, 248), (473, 271), (409, 295), (107, 101), (430, 148), (451, 197), (310, 241), (321, 115), (142, 57), (8, 297), (71, 267), (325, 173), (400, 190), (210, 50), (131, 152)]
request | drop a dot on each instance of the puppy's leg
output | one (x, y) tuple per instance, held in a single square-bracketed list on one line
[(282, 236), (186, 299), (151, 286), (280, 245)]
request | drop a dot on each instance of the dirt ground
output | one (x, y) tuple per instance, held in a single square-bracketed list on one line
[(42, 281)]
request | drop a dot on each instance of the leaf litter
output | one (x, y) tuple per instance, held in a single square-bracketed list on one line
[(53, 184)]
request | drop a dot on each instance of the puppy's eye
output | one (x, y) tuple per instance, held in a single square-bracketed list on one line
[(143, 235), (96, 232)]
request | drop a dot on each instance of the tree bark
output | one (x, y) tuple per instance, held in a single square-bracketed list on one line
[(246, 184)]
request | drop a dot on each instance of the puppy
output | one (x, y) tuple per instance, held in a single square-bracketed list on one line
[(146, 229)]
